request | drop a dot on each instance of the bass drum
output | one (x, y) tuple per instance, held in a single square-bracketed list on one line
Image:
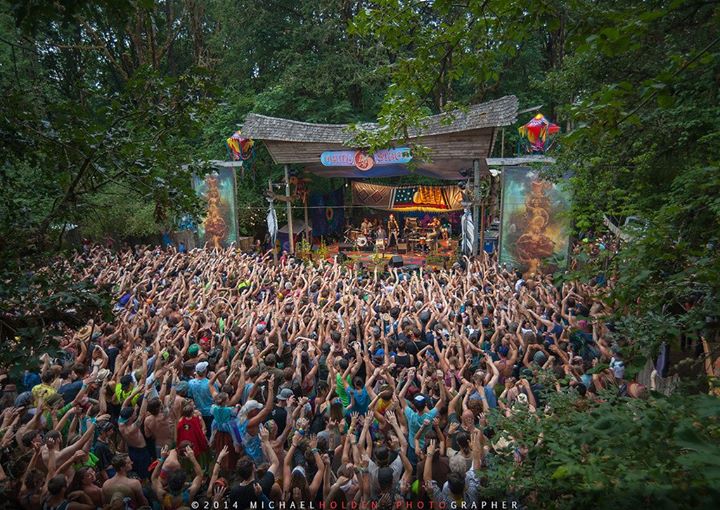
[(361, 241)]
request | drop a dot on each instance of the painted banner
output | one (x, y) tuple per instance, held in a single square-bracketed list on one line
[(535, 232), (219, 227), (407, 198), (371, 195), (327, 213), (363, 161), (427, 198)]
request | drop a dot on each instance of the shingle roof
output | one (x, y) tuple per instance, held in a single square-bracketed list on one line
[(500, 112)]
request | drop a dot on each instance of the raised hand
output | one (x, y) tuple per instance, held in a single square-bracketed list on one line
[(431, 447)]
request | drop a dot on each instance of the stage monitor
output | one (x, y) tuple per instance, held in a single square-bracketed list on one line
[(396, 261)]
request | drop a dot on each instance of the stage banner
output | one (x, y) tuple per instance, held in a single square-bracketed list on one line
[(327, 212), (535, 231), (371, 195), (219, 226), (408, 198)]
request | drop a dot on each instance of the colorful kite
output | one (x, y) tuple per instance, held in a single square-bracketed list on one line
[(241, 148), (538, 134)]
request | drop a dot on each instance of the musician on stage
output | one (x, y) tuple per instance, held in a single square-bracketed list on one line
[(366, 227), (393, 229), (380, 232), (434, 235), (435, 225)]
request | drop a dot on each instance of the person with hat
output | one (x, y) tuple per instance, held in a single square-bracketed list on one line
[(279, 413), (200, 393), (251, 415), (416, 413), (103, 450)]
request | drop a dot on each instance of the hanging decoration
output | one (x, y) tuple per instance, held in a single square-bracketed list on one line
[(272, 222), (468, 229), (538, 135), (241, 148)]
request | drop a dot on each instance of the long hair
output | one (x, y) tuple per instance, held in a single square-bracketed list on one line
[(298, 480)]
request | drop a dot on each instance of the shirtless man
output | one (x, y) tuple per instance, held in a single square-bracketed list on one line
[(129, 426), (53, 440), (122, 484), (157, 424)]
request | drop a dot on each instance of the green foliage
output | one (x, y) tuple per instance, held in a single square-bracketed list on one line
[(38, 303), (612, 454)]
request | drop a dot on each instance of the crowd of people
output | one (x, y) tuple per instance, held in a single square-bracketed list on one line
[(225, 379)]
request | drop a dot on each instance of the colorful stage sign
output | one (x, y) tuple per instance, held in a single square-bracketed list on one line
[(219, 227), (363, 161), (535, 231)]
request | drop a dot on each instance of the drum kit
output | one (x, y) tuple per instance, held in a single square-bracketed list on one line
[(418, 238)]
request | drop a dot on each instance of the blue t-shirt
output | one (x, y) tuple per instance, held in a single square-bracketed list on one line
[(489, 396), (70, 391), (362, 400), (415, 421), (252, 444), (200, 393)]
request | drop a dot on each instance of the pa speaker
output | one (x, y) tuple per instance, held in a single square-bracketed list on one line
[(396, 261)]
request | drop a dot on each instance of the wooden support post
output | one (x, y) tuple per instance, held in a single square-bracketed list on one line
[(289, 210), (482, 225), (308, 234)]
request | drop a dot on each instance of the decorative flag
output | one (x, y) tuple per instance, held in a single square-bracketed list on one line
[(538, 134), (327, 212), (425, 198), (407, 198)]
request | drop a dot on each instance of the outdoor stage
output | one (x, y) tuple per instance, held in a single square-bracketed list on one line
[(443, 257)]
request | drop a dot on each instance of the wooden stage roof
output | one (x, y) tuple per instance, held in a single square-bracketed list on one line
[(454, 139)]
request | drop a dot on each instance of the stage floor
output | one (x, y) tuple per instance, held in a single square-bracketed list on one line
[(443, 257)]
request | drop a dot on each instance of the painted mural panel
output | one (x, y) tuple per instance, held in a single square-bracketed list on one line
[(219, 227), (535, 231)]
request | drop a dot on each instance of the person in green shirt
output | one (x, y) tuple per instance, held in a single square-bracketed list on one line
[(348, 371)]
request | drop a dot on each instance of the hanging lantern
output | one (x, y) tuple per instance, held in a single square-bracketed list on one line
[(538, 135)]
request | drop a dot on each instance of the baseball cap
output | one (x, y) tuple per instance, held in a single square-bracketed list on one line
[(201, 367), (193, 349), (420, 400), (285, 394)]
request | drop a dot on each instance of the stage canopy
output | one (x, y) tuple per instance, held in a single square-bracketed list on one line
[(454, 140)]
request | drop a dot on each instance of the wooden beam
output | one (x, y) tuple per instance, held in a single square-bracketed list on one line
[(522, 160)]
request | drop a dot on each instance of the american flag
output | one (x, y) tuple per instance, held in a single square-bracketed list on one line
[(414, 197)]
